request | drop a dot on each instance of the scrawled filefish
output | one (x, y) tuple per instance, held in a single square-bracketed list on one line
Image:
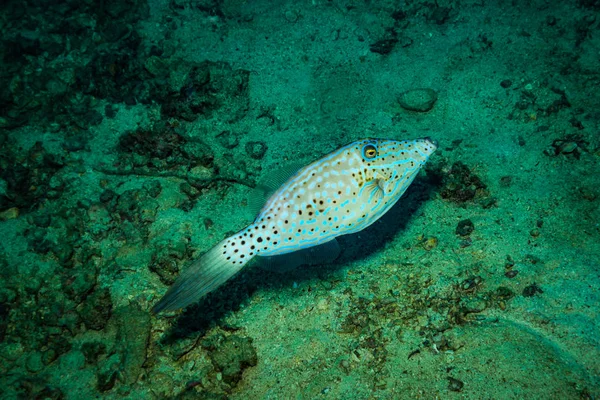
[(344, 192)]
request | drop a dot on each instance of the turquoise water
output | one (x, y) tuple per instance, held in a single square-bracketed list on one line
[(133, 135)]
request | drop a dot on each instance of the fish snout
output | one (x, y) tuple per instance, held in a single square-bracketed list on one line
[(432, 142)]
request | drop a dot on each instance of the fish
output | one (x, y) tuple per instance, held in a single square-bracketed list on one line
[(339, 194)]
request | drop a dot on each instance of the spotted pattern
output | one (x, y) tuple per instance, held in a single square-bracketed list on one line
[(342, 193)]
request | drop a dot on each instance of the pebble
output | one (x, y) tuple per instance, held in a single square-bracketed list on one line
[(465, 227), (11, 213), (454, 384), (420, 100), (430, 243), (256, 150), (34, 362), (12, 351)]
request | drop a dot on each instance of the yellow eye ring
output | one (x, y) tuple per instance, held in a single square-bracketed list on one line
[(369, 152)]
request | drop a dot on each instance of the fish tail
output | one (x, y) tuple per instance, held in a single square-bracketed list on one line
[(203, 276)]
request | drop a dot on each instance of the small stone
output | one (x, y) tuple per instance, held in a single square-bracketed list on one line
[(466, 242), (454, 384), (93, 117), (11, 351), (148, 211), (419, 100), (107, 196), (586, 194), (96, 309), (505, 181), (153, 188), (291, 15), (534, 233), (568, 147), (109, 111), (473, 304), (532, 290), (430, 243), (471, 283), (92, 351), (74, 143), (132, 340), (11, 213), (506, 83), (155, 66), (49, 356), (256, 150), (503, 293), (200, 172), (107, 378), (522, 104), (465, 227), (42, 220), (511, 274), (72, 361), (228, 139), (345, 366), (231, 356)]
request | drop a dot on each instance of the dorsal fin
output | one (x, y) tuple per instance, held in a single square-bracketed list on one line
[(269, 184)]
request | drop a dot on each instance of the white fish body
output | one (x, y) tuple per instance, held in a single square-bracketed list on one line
[(343, 192)]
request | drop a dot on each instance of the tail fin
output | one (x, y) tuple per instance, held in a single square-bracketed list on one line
[(206, 274)]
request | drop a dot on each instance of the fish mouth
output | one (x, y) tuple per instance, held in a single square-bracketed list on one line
[(432, 142)]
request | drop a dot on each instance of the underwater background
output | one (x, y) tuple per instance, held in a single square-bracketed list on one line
[(132, 134)]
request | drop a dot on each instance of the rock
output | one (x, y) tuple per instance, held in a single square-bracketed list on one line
[(73, 361), (107, 196), (92, 351), (200, 173), (420, 100), (532, 290), (11, 351), (231, 355), (228, 139), (465, 227), (384, 46), (74, 143), (42, 220), (454, 384), (155, 66), (197, 152), (96, 310), (256, 150), (165, 266), (11, 213), (78, 282), (107, 375), (133, 333), (148, 210), (153, 188)]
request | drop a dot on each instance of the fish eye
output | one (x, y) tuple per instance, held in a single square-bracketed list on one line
[(369, 151)]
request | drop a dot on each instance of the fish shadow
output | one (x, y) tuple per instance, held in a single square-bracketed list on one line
[(211, 310)]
